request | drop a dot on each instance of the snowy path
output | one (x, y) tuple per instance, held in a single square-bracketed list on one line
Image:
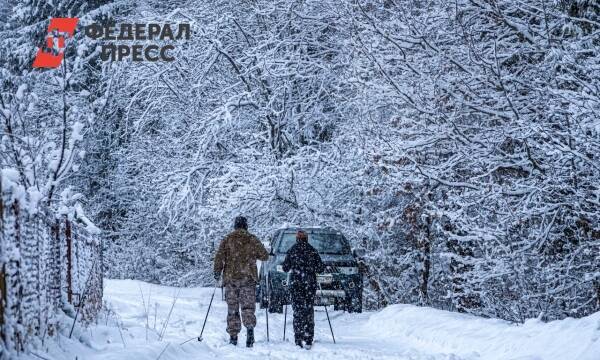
[(397, 332), (186, 322)]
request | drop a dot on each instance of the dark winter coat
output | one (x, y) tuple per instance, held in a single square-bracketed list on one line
[(237, 256), (304, 262)]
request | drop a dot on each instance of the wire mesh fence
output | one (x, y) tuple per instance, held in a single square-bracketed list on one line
[(47, 263)]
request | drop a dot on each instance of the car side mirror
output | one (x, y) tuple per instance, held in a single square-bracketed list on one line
[(358, 252)]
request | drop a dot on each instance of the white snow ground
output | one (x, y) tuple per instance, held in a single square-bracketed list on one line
[(396, 332)]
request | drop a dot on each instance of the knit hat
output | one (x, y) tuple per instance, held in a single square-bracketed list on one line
[(240, 222), (301, 235)]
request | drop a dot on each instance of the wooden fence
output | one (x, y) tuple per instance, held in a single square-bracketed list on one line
[(47, 263)]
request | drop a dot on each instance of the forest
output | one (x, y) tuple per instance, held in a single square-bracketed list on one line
[(456, 141)]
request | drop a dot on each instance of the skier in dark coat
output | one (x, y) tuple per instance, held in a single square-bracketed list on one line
[(304, 263)]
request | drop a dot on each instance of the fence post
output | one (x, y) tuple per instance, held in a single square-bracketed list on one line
[(69, 261), (55, 266), (2, 298), (2, 271)]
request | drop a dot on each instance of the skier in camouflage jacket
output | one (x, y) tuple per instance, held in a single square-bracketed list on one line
[(236, 260)]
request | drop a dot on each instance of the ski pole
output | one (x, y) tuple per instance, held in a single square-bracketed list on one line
[(327, 312), (267, 308), (267, 313), (285, 312), (208, 311), (284, 321), (199, 338), (329, 321)]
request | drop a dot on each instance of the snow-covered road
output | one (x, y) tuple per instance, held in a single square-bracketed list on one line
[(397, 332), (186, 322)]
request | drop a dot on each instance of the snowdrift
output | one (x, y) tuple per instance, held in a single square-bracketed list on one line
[(473, 337)]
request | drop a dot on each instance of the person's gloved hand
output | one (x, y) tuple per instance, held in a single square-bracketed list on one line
[(217, 276)]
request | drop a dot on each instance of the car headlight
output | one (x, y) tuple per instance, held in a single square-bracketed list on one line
[(279, 268), (348, 270)]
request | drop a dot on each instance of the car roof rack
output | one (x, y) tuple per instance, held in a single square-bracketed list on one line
[(310, 229)]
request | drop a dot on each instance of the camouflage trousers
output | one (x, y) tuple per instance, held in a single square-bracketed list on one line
[(240, 295)]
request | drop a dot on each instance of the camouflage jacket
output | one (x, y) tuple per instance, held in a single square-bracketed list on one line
[(237, 256)]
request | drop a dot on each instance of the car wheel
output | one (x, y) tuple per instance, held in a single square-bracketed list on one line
[(258, 294), (354, 304), (261, 300), (275, 304), (339, 306)]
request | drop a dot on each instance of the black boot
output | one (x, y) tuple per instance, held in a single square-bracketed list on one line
[(233, 340), (250, 338), (298, 342)]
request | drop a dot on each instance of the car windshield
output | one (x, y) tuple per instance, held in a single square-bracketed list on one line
[(325, 243)]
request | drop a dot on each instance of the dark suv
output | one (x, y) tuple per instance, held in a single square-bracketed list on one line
[(340, 284)]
